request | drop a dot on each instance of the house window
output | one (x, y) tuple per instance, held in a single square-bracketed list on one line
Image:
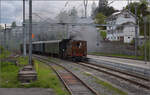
[(128, 37), (127, 16)]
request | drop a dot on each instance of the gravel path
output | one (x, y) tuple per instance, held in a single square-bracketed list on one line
[(123, 85)]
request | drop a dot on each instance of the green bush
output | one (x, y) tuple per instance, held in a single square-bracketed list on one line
[(1, 49), (103, 34), (142, 50)]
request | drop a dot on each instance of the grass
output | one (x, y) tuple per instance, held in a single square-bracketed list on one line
[(9, 75), (8, 72), (107, 85), (76, 69), (116, 55), (22, 60), (47, 79), (4, 54)]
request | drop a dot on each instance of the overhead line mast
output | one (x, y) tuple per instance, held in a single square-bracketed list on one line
[(24, 32), (30, 32)]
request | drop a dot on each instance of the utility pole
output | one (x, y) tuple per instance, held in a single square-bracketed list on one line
[(24, 32), (30, 32), (145, 54), (149, 40), (4, 42), (68, 32), (0, 43), (85, 6), (136, 32)]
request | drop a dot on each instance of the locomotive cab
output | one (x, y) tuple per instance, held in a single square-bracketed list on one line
[(73, 49), (77, 49)]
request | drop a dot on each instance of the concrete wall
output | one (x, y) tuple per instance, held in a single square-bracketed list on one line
[(115, 48)]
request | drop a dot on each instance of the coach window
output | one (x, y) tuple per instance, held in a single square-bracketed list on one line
[(79, 45)]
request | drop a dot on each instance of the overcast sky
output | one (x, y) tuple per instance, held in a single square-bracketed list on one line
[(12, 10)]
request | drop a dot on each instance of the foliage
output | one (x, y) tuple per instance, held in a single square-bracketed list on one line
[(4, 53), (142, 50), (1, 50), (141, 8), (142, 12), (132, 42), (22, 60), (106, 10), (103, 34), (100, 18), (13, 25)]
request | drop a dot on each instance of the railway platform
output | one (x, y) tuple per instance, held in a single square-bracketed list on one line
[(129, 62)]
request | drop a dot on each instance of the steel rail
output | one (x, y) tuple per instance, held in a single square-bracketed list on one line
[(45, 60), (98, 68), (120, 71)]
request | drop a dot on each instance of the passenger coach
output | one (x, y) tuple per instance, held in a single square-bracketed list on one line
[(75, 50)]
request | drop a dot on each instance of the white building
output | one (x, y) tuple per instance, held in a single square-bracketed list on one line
[(121, 26)]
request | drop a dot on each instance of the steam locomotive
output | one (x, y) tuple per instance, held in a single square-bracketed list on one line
[(75, 50)]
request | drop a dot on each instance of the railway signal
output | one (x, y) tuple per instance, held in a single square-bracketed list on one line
[(32, 36)]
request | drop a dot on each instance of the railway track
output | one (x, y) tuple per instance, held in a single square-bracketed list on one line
[(74, 85), (138, 81)]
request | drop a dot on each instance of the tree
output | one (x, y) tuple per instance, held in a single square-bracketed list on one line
[(13, 25), (100, 18), (106, 10), (103, 34), (141, 6), (142, 12), (132, 8)]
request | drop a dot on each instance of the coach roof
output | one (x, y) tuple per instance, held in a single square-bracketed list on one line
[(52, 41)]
